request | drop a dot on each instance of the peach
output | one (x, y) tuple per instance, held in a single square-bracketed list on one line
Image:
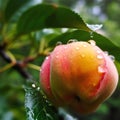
[(45, 80), (78, 76)]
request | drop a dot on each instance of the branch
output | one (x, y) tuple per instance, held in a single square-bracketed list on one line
[(18, 66)]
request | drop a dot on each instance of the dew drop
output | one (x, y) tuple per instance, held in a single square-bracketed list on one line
[(58, 43), (84, 45), (64, 30), (33, 85), (99, 56), (46, 101), (92, 42), (94, 27), (91, 35), (46, 58), (38, 88), (48, 116), (106, 52), (112, 57), (65, 47), (71, 41), (101, 69), (98, 51), (77, 48)]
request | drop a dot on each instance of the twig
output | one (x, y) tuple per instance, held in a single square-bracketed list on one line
[(17, 66)]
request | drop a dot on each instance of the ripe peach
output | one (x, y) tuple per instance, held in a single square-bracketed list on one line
[(78, 76), (45, 81)]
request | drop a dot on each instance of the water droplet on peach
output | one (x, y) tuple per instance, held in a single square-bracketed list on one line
[(112, 57), (99, 56), (65, 47), (71, 41), (98, 51), (101, 69), (84, 45), (92, 42), (47, 58), (77, 48), (58, 43), (106, 52)]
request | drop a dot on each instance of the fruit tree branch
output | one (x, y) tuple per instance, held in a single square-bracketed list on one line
[(17, 65)]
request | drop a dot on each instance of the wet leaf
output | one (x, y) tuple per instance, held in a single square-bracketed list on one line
[(95, 27), (12, 7), (37, 107), (49, 16)]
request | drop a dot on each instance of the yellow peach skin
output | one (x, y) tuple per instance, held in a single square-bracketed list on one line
[(78, 76)]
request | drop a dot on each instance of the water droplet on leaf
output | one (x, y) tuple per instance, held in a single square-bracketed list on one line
[(95, 27), (33, 85), (91, 35), (38, 88)]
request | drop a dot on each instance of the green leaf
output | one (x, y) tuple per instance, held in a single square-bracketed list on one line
[(37, 107), (118, 66), (101, 41), (3, 4), (49, 16), (12, 7)]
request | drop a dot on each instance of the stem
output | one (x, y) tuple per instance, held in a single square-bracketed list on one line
[(10, 65), (35, 67)]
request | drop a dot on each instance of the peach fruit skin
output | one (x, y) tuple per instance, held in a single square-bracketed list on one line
[(78, 76)]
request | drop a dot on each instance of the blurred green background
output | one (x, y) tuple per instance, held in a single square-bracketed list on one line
[(105, 12)]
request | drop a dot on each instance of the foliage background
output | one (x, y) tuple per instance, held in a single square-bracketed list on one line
[(15, 91)]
